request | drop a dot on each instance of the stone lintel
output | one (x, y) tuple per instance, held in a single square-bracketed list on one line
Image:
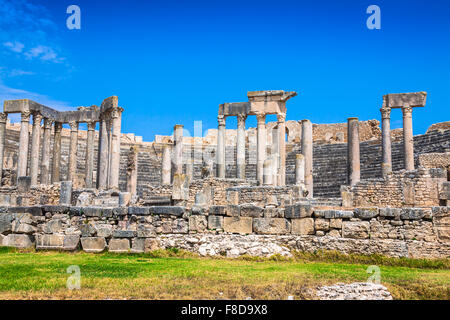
[(400, 100), (234, 108)]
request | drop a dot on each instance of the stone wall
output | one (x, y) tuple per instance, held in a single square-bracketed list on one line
[(230, 230)]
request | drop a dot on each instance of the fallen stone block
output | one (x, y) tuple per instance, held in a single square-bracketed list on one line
[(18, 241), (355, 229), (168, 210), (119, 245), (298, 210), (241, 225), (271, 226), (302, 226), (366, 213), (197, 223), (215, 222), (93, 244)]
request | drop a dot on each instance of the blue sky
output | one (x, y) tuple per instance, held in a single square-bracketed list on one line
[(174, 62)]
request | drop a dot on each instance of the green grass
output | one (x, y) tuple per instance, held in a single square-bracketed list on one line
[(177, 274)]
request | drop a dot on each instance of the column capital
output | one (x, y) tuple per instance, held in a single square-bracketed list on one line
[(241, 118), (91, 125), (261, 118), (73, 125), (37, 118), (221, 120), (3, 117), (58, 126), (407, 111), (281, 117), (385, 113), (25, 116), (115, 113), (47, 123)]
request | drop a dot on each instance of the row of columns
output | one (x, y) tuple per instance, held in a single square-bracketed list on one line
[(109, 149)]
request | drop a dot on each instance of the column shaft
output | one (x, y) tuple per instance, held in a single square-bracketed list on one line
[(353, 157), (281, 149), (115, 149), (102, 164), (221, 147), (45, 165), (166, 166), (3, 119), (23, 144), (386, 165), (56, 152), (89, 166), (408, 140), (35, 143), (71, 173), (178, 149), (260, 147), (299, 169), (307, 151), (240, 147), (132, 168)]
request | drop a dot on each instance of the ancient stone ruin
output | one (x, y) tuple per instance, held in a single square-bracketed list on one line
[(282, 186)]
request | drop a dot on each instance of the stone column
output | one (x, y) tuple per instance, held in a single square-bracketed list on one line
[(299, 169), (307, 151), (281, 149), (89, 166), (56, 152), (22, 162), (3, 119), (260, 147), (353, 160), (268, 169), (35, 144), (221, 147), (132, 167), (240, 147), (408, 140), (166, 166), (115, 148), (45, 165), (102, 164), (72, 170), (386, 165), (178, 149)]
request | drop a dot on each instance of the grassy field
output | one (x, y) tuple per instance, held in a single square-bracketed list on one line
[(173, 274)]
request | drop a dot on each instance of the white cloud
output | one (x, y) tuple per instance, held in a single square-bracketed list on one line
[(15, 47), (18, 72), (43, 53)]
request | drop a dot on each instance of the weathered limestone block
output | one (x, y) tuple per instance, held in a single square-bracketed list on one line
[(5, 200), (124, 199), (197, 223), (251, 210), (5, 222), (1, 239), (87, 230), (233, 210), (93, 244), (138, 211), (390, 212), (119, 245), (334, 233), (217, 210), (124, 233), (57, 242), (181, 225), (21, 227), (321, 224), (53, 226), (99, 212), (366, 213), (271, 226), (333, 214), (242, 225), (84, 199), (23, 184), (168, 210), (298, 210), (65, 196), (355, 229), (18, 241), (180, 187), (441, 222), (104, 230), (273, 212), (34, 210), (303, 226), (215, 222), (412, 214), (140, 245), (145, 231), (336, 223)]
